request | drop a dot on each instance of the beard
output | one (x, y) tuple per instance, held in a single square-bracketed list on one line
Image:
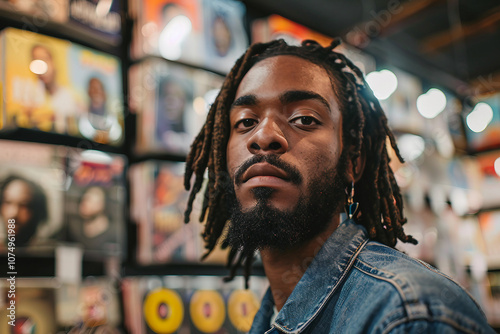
[(265, 226)]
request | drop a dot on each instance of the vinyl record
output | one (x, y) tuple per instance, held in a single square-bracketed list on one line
[(163, 311), (207, 310), (241, 308)]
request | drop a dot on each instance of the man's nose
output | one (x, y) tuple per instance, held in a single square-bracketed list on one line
[(268, 138)]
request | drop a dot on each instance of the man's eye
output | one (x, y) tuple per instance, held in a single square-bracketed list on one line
[(245, 123), (305, 120)]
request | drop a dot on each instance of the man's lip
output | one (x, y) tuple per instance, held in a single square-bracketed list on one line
[(264, 169)]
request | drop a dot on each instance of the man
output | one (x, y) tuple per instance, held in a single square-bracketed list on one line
[(294, 136), (25, 202), (57, 98)]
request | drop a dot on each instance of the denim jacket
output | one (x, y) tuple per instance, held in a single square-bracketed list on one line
[(355, 285)]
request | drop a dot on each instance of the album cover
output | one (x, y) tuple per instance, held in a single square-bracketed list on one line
[(101, 17), (40, 10), (93, 304), (34, 309), (37, 86), (97, 81), (95, 202), (31, 193), (171, 29), (225, 35), (163, 237), (55, 86), (278, 27), (171, 102), (490, 228)]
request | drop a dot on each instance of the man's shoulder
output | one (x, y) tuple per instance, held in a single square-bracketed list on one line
[(413, 290), (411, 276)]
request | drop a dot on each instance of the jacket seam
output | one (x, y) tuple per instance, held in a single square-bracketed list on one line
[(388, 280), (446, 321)]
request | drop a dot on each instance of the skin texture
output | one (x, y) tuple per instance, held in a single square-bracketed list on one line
[(285, 106)]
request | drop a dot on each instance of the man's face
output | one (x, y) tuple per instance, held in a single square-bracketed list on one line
[(286, 141), (16, 203)]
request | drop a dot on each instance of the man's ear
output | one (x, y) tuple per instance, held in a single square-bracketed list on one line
[(356, 166)]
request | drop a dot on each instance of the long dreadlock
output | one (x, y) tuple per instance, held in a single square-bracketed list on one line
[(365, 129)]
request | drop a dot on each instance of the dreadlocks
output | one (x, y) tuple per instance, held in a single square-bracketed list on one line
[(365, 130)]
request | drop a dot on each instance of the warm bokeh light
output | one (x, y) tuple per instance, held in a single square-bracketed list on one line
[(38, 66)]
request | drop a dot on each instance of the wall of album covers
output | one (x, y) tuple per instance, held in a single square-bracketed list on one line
[(99, 102)]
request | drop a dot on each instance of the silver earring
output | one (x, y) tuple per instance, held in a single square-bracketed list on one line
[(351, 207)]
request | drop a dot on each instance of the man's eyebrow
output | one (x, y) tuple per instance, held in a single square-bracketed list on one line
[(300, 95), (245, 100)]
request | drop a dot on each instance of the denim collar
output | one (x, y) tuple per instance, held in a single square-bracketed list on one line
[(322, 277)]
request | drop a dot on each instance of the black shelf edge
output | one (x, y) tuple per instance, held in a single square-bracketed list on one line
[(31, 266), (177, 62), (37, 136), (185, 269)]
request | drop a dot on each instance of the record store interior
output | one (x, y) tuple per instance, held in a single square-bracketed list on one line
[(100, 101)]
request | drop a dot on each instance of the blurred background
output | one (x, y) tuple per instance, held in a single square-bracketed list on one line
[(100, 100)]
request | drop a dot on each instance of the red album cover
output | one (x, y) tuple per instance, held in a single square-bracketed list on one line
[(163, 237), (95, 202)]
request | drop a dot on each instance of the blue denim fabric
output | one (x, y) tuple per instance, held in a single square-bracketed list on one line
[(355, 285)]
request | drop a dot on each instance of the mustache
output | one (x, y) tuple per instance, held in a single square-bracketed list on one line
[(294, 175)]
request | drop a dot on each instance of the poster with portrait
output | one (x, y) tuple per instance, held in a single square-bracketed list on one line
[(95, 202), (37, 89), (171, 29), (163, 236), (224, 31), (93, 303), (42, 11), (53, 85), (97, 83), (100, 17), (31, 192), (171, 102)]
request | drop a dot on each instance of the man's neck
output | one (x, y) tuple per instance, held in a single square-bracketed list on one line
[(285, 268)]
